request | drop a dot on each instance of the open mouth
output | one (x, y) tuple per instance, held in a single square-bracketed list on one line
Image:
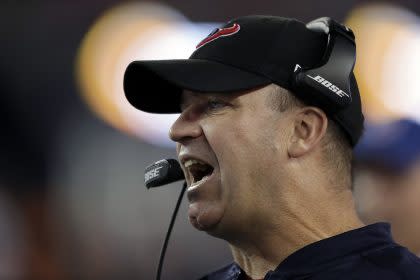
[(198, 171)]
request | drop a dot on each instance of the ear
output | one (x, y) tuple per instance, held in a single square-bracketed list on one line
[(309, 127)]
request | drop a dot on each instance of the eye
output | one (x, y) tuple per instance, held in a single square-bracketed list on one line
[(214, 104)]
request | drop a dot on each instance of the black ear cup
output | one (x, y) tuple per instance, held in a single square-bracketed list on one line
[(328, 83)]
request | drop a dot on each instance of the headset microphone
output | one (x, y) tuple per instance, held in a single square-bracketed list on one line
[(160, 173), (163, 172)]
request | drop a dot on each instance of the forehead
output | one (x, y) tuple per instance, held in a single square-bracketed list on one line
[(189, 96)]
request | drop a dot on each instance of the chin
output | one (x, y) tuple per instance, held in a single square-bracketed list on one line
[(205, 217)]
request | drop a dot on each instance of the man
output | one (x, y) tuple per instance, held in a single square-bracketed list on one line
[(267, 152), (387, 181)]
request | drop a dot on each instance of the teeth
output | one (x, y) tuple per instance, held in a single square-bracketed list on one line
[(199, 182), (190, 162)]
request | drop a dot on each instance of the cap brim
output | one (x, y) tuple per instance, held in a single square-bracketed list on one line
[(155, 86)]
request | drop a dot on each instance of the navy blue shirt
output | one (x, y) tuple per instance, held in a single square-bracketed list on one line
[(365, 253)]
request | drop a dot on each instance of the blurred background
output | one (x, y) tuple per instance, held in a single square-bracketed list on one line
[(72, 150)]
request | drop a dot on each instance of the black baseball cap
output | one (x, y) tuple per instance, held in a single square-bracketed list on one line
[(245, 53)]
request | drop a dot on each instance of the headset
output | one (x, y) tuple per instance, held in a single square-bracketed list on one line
[(312, 84)]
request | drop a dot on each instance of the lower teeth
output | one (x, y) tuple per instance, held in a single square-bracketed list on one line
[(201, 180)]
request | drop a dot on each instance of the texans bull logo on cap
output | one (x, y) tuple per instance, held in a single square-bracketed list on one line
[(220, 32)]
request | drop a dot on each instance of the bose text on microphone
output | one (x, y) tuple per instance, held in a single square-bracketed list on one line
[(163, 172)]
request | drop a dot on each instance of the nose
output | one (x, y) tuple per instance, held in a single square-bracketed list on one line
[(186, 127)]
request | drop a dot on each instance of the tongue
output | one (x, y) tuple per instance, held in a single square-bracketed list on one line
[(200, 171)]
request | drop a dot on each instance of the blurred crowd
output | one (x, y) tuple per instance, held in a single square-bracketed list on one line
[(72, 200)]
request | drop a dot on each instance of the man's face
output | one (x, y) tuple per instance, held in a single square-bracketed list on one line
[(229, 146)]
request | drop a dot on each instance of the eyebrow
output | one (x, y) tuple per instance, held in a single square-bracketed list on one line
[(183, 103)]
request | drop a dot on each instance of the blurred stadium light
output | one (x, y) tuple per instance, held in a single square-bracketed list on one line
[(388, 63), (125, 33)]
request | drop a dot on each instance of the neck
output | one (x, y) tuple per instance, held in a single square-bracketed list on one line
[(300, 223)]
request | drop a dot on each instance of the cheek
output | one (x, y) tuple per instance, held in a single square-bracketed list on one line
[(232, 146), (224, 138), (229, 141), (244, 150)]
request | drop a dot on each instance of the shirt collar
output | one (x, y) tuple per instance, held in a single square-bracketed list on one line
[(324, 252), (229, 272), (315, 255)]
